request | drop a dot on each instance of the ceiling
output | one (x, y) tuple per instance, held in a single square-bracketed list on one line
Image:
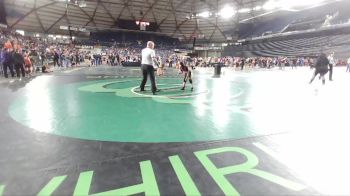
[(172, 16)]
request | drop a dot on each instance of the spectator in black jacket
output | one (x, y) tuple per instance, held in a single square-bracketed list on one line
[(56, 57), (242, 63), (18, 60), (321, 68)]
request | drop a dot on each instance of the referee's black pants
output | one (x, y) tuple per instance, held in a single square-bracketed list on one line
[(331, 72), (148, 70)]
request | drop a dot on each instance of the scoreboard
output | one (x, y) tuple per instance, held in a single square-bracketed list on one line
[(143, 25), (137, 25)]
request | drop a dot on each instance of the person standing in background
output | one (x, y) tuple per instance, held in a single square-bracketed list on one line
[(348, 66), (331, 64), (18, 60), (77, 59), (42, 58), (56, 57), (242, 63), (293, 63), (1, 60)]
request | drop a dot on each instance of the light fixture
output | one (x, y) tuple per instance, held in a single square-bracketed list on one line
[(227, 12), (244, 10), (298, 3), (205, 14), (21, 32), (270, 5), (82, 4), (64, 27), (37, 35), (287, 4), (257, 8)]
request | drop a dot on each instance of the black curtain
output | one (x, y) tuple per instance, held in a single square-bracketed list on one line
[(2, 13)]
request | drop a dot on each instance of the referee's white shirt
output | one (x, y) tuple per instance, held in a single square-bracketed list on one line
[(331, 60), (147, 56)]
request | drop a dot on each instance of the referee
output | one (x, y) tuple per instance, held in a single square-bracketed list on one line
[(148, 64), (331, 64)]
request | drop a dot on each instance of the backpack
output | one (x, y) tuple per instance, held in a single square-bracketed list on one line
[(17, 58)]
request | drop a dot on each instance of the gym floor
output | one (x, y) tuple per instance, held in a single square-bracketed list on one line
[(90, 131)]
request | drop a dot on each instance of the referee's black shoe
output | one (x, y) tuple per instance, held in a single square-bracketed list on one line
[(157, 90)]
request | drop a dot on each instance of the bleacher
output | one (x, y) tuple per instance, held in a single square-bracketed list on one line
[(133, 38), (274, 26), (312, 22), (307, 33), (311, 46)]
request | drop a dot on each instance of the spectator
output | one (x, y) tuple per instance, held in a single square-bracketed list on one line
[(8, 61), (18, 61), (56, 58)]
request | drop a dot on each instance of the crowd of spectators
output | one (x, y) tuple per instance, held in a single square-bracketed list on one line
[(252, 62), (22, 56), (267, 62), (26, 55), (34, 54)]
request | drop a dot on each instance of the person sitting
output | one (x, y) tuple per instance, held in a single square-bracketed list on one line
[(46, 68)]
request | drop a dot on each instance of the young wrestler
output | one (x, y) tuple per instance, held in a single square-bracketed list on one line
[(188, 75), (160, 69), (28, 65)]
